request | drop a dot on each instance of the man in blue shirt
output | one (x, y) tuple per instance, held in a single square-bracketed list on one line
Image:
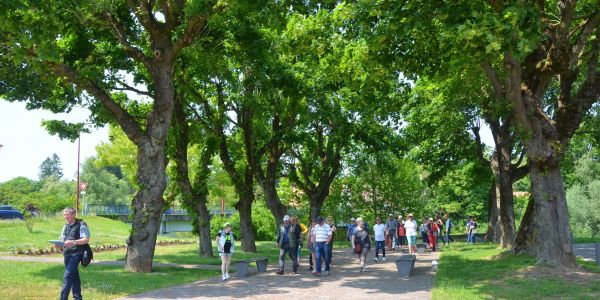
[(350, 232), (448, 229)]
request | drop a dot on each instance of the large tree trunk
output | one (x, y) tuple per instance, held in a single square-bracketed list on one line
[(548, 223), (193, 197), (316, 204), (268, 182), (504, 192), (152, 161), (147, 204), (204, 237), (493, 211), (273, 202), (244, 207)]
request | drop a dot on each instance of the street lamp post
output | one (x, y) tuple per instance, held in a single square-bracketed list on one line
[(77, 192)]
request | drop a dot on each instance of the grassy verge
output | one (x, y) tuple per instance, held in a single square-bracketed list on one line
[(103, 230), (586, 240), (482, 271), (29, 280)]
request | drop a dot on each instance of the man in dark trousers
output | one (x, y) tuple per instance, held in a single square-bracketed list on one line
[(74, 235), (288, 239)]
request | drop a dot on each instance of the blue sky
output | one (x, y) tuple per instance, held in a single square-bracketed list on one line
[(25, 144)]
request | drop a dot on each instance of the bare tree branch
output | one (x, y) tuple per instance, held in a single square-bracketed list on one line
[(127, 87)]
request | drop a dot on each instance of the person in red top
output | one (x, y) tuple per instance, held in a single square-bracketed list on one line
[(432, 232), (401, 234)]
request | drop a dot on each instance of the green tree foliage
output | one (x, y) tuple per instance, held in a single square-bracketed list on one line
[(263, 223), (583, 196), (51, 166), (462, 192), (120, 152), (49, 195), (104, 188), (17, 191)]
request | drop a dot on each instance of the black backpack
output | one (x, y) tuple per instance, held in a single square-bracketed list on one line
[(86, 250), (88, 255)]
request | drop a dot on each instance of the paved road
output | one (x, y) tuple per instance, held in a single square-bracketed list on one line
[(380, 282), (586, 251)]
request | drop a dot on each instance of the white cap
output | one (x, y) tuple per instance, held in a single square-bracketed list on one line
[(359, 219), (286, 218)]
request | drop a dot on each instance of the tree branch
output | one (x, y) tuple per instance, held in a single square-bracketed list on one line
[(127, 87), (127, 122), (121, 35), (491, 75), (590, 25), (194, 26)]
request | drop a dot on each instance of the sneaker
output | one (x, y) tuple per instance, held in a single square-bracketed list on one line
[(227, 275), (316, 273), (280, 271), (224, 277), (375, 259), (384, 258), (326, 273)]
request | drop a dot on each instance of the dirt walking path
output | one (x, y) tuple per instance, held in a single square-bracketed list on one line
[(381, 281)]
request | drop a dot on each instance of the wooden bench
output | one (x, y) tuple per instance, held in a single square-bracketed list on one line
[(241, 266)]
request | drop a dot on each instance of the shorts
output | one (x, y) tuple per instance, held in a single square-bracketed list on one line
[(225, 254), (311, 247), (412, 240)]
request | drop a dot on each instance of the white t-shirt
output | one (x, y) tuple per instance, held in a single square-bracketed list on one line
[(379, 230), (322, 233), (411, 227)]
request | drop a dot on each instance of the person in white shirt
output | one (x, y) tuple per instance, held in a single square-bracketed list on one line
[(411, 233), (379, 230), (323, 236)]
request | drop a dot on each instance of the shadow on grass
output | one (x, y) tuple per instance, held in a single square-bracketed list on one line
[(484, 271)]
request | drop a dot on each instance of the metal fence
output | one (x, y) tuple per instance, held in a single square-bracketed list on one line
[(125, 210)]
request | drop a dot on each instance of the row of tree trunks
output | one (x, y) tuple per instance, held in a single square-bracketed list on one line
[(193, 197)]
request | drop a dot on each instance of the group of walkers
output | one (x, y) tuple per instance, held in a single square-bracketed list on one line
[(434, 229), (396, 234)]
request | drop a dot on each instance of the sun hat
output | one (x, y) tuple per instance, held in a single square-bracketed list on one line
[(226, 224)]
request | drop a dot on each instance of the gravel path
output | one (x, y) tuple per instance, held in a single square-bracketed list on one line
[(381, 281)]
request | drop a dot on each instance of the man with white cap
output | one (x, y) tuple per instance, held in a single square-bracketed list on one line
[(288, 239)]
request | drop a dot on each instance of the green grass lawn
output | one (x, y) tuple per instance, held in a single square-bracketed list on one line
[(13, 233), (482, 271), (30, 280)]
